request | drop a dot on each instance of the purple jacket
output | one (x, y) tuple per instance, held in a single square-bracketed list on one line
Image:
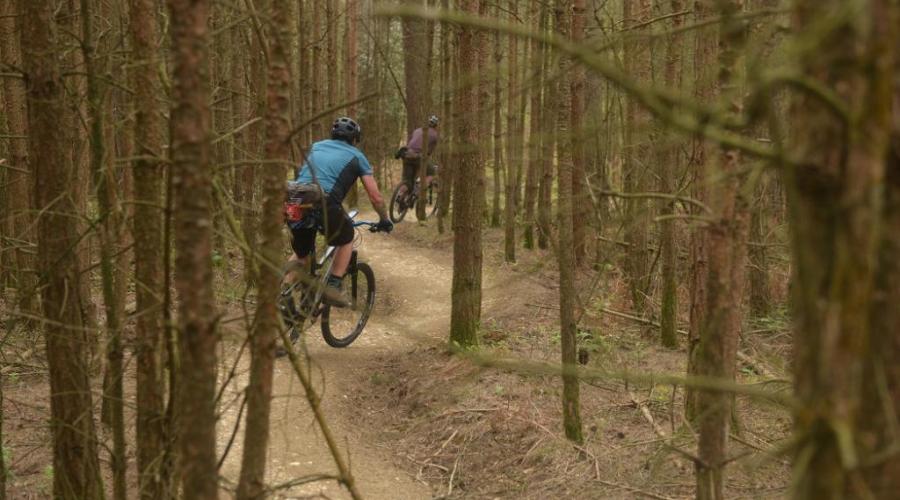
[(414, 145)]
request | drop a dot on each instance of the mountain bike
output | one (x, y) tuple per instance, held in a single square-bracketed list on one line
[(403, 199), (300, 301)]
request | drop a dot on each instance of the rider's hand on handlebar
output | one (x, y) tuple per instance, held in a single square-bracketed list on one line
[(384, 225)]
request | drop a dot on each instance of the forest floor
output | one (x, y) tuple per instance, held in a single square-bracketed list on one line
[(418, 422)]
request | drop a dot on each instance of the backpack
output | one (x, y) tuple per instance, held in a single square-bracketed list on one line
[(301, 197)]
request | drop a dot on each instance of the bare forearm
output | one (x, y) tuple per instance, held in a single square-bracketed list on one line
[(380, 207)]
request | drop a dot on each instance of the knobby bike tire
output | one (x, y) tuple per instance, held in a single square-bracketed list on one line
[(365, 299), (432, 198), (396, 212)]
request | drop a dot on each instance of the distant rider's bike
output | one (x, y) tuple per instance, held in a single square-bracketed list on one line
[(301, 303), (405, 199)]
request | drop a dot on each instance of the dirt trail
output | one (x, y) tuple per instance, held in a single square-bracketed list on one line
[(409, 310)]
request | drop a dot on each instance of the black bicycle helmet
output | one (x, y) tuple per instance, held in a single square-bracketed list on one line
[(433, 121), (345, 129)]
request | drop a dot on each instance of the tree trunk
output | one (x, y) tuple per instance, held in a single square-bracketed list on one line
[(111, 236), (637, 160), (350, 67), (717, 351), (565, 251), (548, 143), (192, 189), (148, 251), (513, 146), (534, 135), (76, 470), (579, 197), (445, 174), (498, 127), (669, 164), (17, 178), (266, 323), (468, 205), (883, 373), (843, 217), (705, 91)]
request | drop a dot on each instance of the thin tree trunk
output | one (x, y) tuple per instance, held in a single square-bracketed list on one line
[(266, 324), (705, 91), (332, 78), (75, 464), (110, 241), (468, 206), (445, 174), (577, 142), (534, 135), (565, 251), (513, 145), (669, 165), (717, 351), (192, 189), (497, 121), (350, 67), (68, 16), (638, 62), (548, 144), (148, 251), (17, 179)]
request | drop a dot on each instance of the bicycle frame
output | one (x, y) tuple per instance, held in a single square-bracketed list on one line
[(326, 262)]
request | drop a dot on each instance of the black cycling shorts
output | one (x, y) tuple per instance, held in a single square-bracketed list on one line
[(411, 169), (334, 223)]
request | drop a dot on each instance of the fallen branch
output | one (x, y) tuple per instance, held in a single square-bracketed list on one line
[(647, 415)]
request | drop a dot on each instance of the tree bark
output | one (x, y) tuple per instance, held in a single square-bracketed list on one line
[(842, 209), (579, 197), (568, 299), (669, 165), (468, 205), (638, 62), (497, 104), (548, 145), (17, 179), (148, 252), (75, 463), (513, 145), (265, 325), (192, 189), (534, 135), (705, 91), (111, 236)]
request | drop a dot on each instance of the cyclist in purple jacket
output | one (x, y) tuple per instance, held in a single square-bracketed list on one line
[(413, 157)]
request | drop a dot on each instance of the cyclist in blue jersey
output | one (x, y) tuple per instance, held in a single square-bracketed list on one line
[(335, 164)]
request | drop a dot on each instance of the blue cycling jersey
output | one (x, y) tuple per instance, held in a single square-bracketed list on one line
[(336, 165)]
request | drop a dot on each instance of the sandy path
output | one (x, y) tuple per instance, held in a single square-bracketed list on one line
[(408, 310)]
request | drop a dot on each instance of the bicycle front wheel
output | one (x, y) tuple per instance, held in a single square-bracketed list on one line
[(342, 325), (398, 202)]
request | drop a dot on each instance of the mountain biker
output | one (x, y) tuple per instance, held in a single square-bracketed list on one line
[(413, 156), (335, 164)]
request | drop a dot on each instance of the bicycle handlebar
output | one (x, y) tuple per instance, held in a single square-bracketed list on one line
[(373, 226)]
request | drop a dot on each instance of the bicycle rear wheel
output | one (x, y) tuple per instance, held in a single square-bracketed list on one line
[(398, 202), (431, 206), (342, 325)]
